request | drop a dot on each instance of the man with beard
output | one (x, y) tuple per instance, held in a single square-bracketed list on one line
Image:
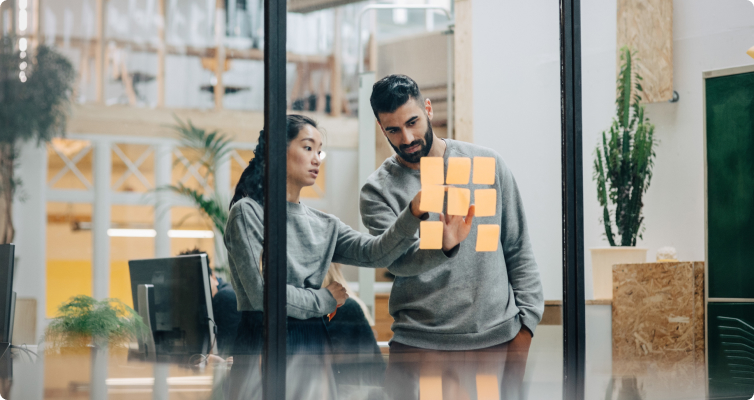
[(457, 313)]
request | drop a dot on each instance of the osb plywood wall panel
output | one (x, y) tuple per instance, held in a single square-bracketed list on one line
[(647, 27), (658, 326)]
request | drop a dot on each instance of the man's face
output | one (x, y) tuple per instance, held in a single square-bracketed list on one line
[(409, 131)]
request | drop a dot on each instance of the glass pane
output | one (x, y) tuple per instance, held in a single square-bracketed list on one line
[(672, 278)]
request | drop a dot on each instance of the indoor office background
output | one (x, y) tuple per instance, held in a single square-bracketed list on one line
[(674, 318)]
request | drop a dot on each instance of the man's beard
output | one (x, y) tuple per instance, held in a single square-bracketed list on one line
[(426, 145)]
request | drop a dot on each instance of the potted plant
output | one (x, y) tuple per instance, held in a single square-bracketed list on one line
[(622, 170), (85, 325), (35, 90)]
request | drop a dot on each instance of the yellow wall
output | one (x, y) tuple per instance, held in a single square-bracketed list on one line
[(68, 278)]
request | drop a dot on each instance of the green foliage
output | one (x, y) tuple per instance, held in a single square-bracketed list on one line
[(211, 147), (38, 108), (34, 103), (210, 206), (83, 320), (624, 160)]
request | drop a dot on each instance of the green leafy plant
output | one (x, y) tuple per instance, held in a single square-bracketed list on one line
[(210, 147), (83, 321), (624, 160), (35, 88)]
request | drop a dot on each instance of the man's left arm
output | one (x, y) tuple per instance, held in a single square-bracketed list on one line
[(523, 273)]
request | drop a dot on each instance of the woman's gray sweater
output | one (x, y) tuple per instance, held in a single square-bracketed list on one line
[(315, 239)]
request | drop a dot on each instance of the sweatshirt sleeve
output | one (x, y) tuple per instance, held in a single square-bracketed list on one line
[(378, 217), (243, 236), (363, 250), (523, 273)]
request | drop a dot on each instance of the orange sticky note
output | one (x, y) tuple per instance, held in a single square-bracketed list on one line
[(432, 171), (433, 198), (484, 171), (430, 235), (458, 201), (485, 201), (487, 237), (487, 388), (459, 169)]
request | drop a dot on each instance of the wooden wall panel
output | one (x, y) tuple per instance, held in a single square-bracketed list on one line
[(647, 27)]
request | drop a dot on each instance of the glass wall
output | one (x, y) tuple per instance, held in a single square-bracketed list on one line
[(389, 294)]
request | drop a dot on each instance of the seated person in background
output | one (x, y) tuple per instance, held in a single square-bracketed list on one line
[(224, 307), (357, 355)]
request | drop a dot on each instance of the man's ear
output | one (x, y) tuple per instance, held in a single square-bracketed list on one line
[(428, 108)]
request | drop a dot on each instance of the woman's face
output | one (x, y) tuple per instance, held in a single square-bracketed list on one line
[(303, 157)]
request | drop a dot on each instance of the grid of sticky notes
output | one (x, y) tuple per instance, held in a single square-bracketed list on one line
[(436, 184)]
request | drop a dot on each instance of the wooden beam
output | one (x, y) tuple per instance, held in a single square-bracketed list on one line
[(162, 22), (35, 31), (316, 61), (126, 121), (99, 59), (336, 77), (464, 94), (219, 89)]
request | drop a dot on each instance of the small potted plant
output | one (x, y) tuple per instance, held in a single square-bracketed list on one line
[(622, 170), (84, 324)]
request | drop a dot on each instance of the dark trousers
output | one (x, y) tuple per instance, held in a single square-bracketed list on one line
[(459, 375), (309, 372)]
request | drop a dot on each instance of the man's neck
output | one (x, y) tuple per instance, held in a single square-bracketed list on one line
[(437, 150)]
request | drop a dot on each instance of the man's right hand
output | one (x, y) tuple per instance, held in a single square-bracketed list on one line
[(338, 292), (456, 228)]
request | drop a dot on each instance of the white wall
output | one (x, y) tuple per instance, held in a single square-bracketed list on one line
[(517, 112), (30, 220)]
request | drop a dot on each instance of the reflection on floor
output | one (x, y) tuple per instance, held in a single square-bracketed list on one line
[(67, 377)]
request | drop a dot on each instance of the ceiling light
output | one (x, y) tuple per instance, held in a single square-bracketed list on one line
[(143, 233), (188, 234)]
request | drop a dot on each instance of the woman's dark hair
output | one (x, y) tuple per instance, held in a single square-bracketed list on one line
[(251, 183)]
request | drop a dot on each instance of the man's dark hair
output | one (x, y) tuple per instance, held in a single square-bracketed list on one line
[(393, 91), (194, 251)]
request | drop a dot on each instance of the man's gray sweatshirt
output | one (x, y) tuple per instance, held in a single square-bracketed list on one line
[(315, 239), (465, 300)]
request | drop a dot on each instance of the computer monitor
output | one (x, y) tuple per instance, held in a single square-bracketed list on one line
[(173, 297), (7, 254)]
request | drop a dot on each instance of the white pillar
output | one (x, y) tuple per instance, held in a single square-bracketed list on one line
[(367, 126), (30, 221), (163, 168), (101, 220), (223, 193)]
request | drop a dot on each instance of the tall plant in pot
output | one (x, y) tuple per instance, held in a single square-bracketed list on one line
[(35, 90), (623, 170)]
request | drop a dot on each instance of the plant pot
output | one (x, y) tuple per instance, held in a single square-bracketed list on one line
[(603, 259)]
